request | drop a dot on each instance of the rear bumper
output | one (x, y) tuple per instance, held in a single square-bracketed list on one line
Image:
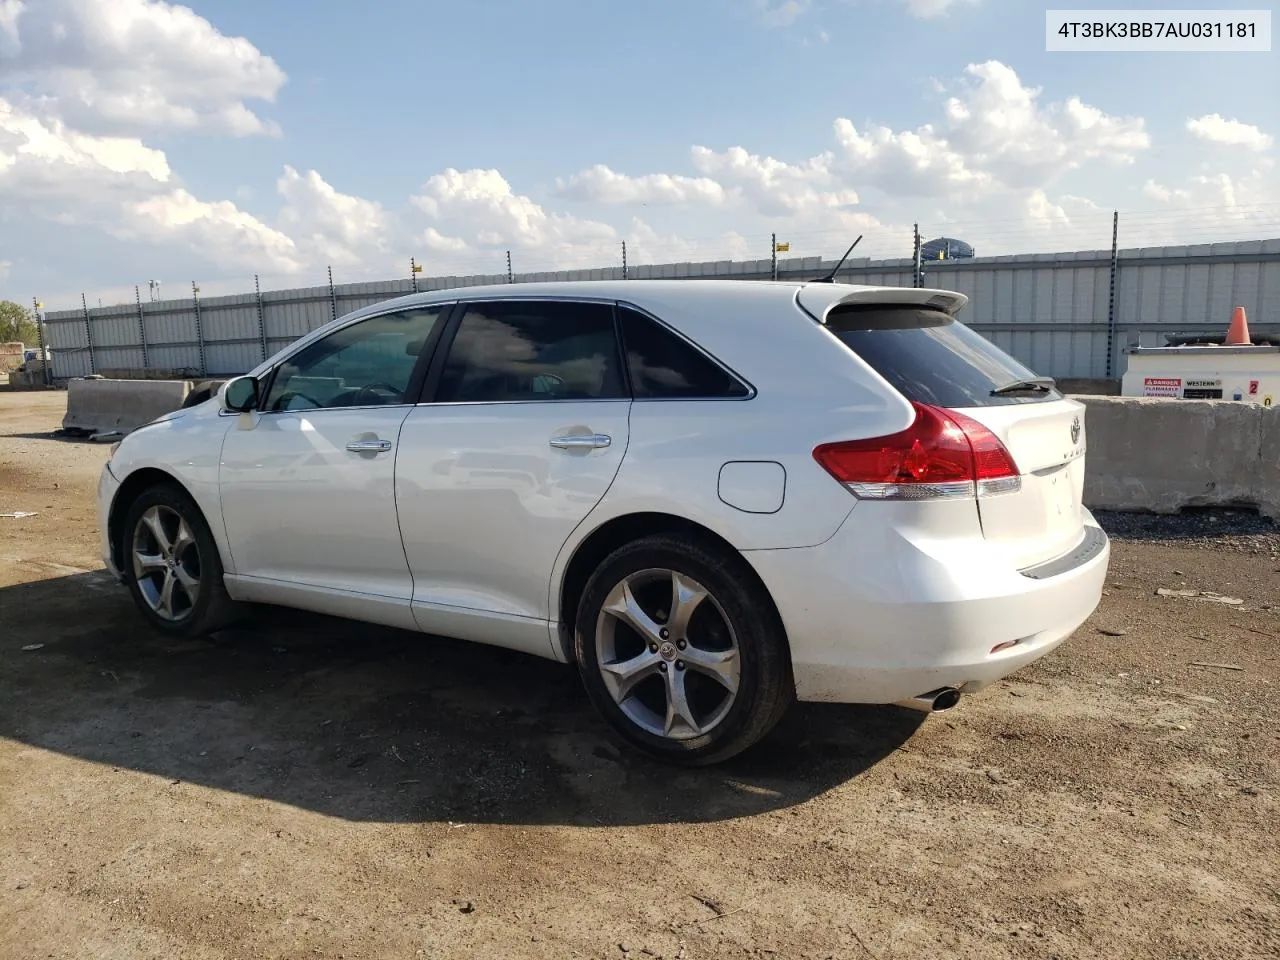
[(881, 614)]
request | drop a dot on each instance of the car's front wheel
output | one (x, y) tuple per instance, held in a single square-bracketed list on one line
[(172, 566), (681, 652)]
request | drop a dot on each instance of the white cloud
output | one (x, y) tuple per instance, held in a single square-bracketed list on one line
[(932, 9), (9, 12), (125, 189), (599, 184), (437, 242), (331, 227), (774, 187), (476, 212), (124, 66), (781, 13), (647, 245), (1214, 128), (1000, 127), (223, 232), (997, 143), (1230, 194), (920, 161), (42, 160)]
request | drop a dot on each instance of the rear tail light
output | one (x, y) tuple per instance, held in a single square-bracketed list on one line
[(943, 455)]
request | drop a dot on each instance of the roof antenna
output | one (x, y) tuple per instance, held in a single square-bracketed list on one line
[(831, 277)]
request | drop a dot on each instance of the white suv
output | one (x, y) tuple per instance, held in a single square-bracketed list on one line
[(713, 496)]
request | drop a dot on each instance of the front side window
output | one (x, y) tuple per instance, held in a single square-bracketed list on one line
[(533, 350), (665, 367), (369, 363)]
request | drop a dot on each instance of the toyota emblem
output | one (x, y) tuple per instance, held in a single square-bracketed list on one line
[(1075, 431)]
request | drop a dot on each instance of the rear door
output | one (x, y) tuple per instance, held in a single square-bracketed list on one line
[(523, 428), (930, 357)]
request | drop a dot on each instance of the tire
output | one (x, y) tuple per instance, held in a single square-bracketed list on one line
[(731, 706), (190, 565)]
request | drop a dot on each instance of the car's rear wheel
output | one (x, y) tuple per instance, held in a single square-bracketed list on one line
[(680, 651), (172, 566)]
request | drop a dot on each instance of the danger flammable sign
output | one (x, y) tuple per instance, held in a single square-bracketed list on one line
[(1162, 386)]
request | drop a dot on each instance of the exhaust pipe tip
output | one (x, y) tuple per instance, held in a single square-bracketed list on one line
[(946, 699), (935, 701)]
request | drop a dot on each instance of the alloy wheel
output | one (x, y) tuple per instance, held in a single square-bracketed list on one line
[(166, 563), (667, 654)]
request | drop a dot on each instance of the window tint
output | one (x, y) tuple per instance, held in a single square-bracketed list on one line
[(930, 357), (663, 366), (368, 363), (533, 350)]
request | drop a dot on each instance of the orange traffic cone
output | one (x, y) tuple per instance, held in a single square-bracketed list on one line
[(1238, 332)]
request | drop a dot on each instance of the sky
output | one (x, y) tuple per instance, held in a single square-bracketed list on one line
[(218, 139)]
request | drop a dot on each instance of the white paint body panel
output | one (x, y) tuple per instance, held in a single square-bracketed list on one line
[(1043, 519), (486, 503), (904, 600), (467, 526), (186, 445), (300, 508)]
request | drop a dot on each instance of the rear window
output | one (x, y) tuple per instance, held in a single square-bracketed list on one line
[(930, 357)]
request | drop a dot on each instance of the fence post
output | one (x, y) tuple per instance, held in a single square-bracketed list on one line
[(262, 318), (88, 332), (142, 328), (624, 260), (333, 297), (46, 361), (195, 298), (917, 269), (510, 276), (1111, 294)]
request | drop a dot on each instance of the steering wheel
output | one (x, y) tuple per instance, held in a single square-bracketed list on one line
[(285, 402), (383, 392)]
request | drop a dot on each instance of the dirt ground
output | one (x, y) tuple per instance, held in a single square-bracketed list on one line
[(312, 788)]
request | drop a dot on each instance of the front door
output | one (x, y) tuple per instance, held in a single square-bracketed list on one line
[(307, 482), (521, 437)]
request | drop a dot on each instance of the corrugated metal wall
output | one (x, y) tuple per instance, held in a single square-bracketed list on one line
[(1051, 311)]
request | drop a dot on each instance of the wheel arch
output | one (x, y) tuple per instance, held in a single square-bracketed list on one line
[(621, 530), (130, 489)]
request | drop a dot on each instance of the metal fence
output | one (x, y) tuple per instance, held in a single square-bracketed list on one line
[(1063, 314)]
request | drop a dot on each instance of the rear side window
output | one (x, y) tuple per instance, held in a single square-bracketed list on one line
[(665, 367), (930, 357)]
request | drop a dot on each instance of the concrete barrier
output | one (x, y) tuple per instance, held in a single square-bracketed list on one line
[(1161, 455), (100, 406)]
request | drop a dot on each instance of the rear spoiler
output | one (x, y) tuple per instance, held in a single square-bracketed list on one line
[(818, 300)]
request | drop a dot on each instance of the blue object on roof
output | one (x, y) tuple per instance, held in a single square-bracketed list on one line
[(945, 248)]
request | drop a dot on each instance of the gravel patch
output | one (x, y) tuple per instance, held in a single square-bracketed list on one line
[(1233, 531)]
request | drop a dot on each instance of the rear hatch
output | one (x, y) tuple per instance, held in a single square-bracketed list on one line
[(931, 358)]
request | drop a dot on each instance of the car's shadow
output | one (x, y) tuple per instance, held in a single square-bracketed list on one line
[(372, 724), (58, 435)]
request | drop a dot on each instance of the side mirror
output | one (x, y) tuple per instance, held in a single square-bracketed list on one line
[(240, 394)]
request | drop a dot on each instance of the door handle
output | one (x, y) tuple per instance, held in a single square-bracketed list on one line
[(369, 446), (590, 441)]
